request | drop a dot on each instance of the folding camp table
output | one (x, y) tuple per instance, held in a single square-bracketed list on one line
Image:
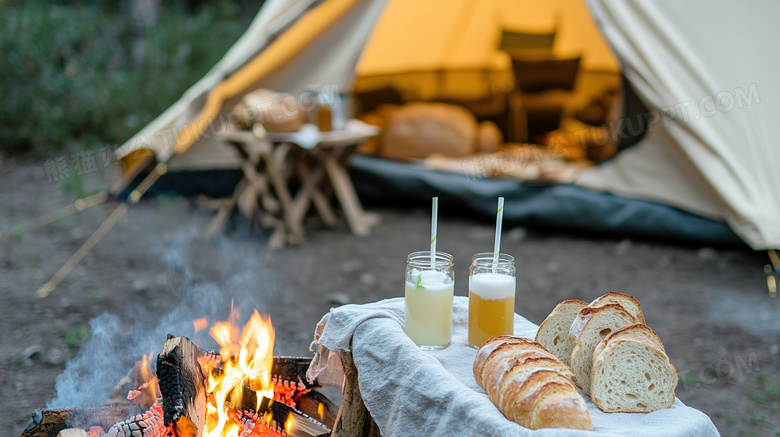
[(317, 160)]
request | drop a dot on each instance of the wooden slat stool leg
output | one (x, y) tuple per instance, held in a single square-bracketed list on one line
[(359, 223), (279, 183), (353, 418)]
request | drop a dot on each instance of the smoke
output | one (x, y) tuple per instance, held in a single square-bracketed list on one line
[(208, 275)]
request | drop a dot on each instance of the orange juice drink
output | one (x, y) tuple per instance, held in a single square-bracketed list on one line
[(491, 307)]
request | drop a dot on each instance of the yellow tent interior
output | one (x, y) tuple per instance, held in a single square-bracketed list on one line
[(452, 49)]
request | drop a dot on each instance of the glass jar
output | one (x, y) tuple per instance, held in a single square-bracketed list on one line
[(492, 286), (428, 299)]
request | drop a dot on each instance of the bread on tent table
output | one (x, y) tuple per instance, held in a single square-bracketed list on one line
[(501, 341), (637, 330), (632, 375), (553, 333), (589, 327), (630, 303)]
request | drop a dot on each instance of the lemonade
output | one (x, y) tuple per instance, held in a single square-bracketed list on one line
[(428, 308), (491, 306)]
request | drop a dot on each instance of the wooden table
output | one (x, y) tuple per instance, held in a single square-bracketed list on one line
[(317, 161)]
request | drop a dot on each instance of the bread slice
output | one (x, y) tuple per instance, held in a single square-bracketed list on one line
[(632, 375), (560, 406), (500, 343), (630, 303), (553, 333), (637, 330), (589, 327)]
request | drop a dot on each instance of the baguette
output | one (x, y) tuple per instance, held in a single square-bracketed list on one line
[(589, 327), (497, 345), (529, 385), (553, 333), (632, 375)]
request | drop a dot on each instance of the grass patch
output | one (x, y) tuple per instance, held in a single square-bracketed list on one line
[(767, 392), (75, 336)]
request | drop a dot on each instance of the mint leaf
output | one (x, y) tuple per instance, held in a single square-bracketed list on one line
[(418, 285)]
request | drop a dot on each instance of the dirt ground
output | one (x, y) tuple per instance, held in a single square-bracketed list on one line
[(156, 272)]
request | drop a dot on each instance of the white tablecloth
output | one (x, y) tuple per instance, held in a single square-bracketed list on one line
[(412, 392)]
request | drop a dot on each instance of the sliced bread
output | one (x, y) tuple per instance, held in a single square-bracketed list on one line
[(632, 375), (637, 330), (589, 327), (630, 303), (553, 333)]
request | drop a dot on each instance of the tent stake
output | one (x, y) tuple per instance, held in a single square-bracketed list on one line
[(101, 231), (67, 210)]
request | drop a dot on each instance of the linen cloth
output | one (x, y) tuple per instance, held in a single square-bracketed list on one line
[(409, 391)]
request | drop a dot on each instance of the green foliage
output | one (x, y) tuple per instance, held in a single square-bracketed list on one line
[(75, 336), (84, 74)]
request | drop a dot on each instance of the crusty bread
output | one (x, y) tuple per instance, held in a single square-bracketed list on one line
[(521, 364), (529, 385), (553, 333), (500, 342), (630, 303), (589, 327), (638, 330), (632, 375), (560, 406)]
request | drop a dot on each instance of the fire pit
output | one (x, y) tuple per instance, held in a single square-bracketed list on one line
[(242, 390)]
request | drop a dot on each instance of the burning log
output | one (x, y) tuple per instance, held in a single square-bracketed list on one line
[(149, 424), (50, 422), (73, 432), (182, 387)]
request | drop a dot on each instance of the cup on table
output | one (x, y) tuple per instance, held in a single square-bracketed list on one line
[(492, 285), (428, 299)]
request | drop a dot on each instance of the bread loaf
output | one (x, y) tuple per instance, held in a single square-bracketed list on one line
[(553, 333), (529, 385), (632, 375), (589, 327)]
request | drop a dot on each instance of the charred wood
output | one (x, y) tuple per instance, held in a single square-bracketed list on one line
[(182, 386)]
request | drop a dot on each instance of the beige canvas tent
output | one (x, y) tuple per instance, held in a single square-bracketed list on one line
[(719, 165)]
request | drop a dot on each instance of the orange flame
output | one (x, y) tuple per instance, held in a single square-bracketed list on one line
[(247, 357), (200, 324)]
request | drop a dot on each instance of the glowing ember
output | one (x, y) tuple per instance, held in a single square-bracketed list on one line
[(246, 358)]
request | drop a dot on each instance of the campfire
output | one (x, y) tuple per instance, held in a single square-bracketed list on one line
[(241, 390)]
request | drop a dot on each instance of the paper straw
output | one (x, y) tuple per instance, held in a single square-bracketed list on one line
[(434, 219), (497, 245)]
